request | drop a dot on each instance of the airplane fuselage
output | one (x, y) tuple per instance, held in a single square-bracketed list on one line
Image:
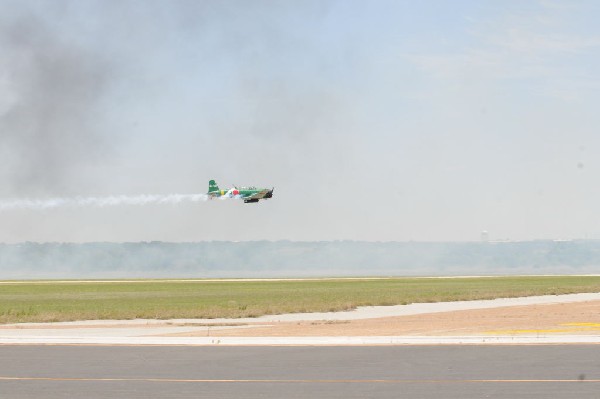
[(248, 194)]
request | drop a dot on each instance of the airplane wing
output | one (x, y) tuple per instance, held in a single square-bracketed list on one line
[(259, 195)]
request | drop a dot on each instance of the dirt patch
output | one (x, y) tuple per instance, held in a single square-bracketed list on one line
[(567, 318)]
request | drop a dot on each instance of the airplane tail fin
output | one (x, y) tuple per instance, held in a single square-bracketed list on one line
[(212, 186)]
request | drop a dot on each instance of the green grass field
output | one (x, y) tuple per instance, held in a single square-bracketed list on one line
[(63, 301)]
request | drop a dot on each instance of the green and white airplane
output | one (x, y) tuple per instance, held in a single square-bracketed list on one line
[(248, 194)]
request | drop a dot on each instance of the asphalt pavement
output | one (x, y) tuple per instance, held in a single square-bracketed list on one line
[(435, 371)]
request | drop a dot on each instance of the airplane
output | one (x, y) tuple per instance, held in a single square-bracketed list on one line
[(248, 194)]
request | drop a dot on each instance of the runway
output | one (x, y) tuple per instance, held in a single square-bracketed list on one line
[(501, 371), (153, 359)]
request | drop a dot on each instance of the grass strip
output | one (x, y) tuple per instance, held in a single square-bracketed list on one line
[(65, 301)]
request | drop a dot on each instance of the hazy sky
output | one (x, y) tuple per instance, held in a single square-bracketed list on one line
[(374, 120)]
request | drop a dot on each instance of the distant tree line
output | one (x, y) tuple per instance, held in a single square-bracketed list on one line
[(295, 259)]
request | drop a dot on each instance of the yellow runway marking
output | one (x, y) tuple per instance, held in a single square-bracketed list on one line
[(298, 381), (582, 324)]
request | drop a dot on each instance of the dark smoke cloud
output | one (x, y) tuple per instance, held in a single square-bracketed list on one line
[(50, 110), (247, 93)]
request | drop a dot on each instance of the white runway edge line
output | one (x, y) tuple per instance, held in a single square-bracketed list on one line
[(310, 341)]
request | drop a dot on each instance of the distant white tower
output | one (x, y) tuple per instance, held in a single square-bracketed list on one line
[(485, 236)]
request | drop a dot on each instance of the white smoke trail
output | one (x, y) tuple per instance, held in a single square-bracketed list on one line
[(116, 200)]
